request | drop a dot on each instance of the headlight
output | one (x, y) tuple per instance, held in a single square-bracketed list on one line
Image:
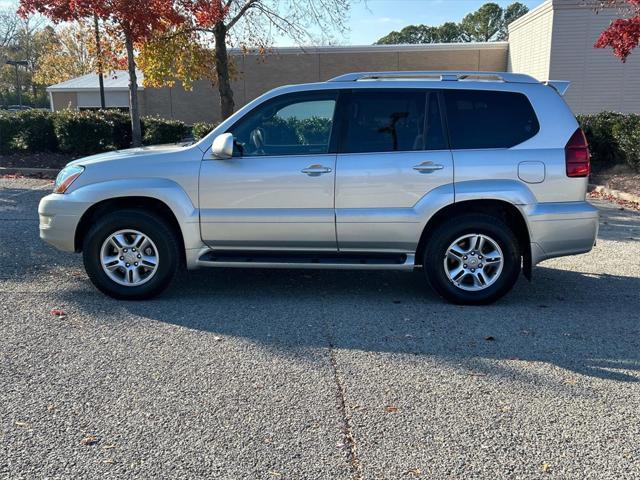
[(66, 177)]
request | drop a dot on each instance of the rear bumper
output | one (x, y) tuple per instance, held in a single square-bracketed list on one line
[(559, 229), (59, 218)]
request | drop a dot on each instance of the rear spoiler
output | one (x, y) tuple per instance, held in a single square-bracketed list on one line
[(560, 86)]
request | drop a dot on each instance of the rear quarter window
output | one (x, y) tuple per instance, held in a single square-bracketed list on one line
[(489, 119)]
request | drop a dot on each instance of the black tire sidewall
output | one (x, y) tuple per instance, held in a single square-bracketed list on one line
[(149, 224), (449, 231)]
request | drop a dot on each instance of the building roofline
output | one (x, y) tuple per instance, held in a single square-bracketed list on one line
[(377, 48), (531, 15), (55, 89)]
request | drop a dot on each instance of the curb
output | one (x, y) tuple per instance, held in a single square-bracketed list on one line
[(40, 172), (627, 197)]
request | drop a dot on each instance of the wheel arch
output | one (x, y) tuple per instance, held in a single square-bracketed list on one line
[(502, 209), (144, 203)]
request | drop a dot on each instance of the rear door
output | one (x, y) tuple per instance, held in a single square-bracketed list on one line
[(488, 130), (393, 152)]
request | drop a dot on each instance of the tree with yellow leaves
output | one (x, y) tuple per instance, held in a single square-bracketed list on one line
[(72, 53)]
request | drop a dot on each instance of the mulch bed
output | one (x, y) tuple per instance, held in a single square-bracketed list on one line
[(35, 160), (624, 204), (618, 178)]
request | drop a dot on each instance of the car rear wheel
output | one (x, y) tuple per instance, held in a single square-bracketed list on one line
[(131, 254), (472, 259)]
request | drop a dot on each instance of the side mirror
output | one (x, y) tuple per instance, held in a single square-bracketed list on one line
[(222, 147)]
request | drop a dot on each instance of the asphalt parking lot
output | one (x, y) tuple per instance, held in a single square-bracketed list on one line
[(245, 374)]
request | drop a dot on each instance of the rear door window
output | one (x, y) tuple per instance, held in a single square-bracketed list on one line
[(488, 119), (380, 120)]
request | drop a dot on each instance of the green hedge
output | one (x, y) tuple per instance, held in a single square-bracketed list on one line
[(8, 130), (80, 132), (201, 129), (157, 131), (614, 138), (34, 132)]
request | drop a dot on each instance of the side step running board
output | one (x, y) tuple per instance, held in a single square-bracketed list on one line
[(347, 261)]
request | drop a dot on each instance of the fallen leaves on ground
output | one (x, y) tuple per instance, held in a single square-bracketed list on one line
[(89, 440), (545, 468), (610, 198), (391, 409), (58, 312), (414, 472)]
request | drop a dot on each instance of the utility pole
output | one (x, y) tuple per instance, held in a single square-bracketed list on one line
[(99, 56), (16, 64)]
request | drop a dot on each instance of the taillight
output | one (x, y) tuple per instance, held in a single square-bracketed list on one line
[(577, 156)]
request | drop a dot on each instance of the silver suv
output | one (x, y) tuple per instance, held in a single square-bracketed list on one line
[(470, 176)]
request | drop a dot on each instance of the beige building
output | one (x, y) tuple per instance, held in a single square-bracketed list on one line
[(552, 42), (258, 74), (555, 42)]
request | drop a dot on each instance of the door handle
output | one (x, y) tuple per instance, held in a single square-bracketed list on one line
[(315, 170), (428, 167)]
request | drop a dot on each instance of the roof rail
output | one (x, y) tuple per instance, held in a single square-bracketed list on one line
[(507, 77)]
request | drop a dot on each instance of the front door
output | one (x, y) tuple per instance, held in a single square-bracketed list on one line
[(393, 154), (277, 191)]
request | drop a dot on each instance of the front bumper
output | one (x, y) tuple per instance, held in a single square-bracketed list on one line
[(559, 229), (59, 217)]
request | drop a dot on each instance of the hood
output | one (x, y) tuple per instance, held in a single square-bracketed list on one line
[(130, 153)]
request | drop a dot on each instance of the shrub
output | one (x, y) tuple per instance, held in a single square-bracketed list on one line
[(201, 129), (120, 124), (627, 135), (8, 130), (313, 131), (83, 132), (614, 138), (598, 129), (35, 131), (158, 131)]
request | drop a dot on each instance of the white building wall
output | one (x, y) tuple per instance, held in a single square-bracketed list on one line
[(90, 99), (599, 80), (555, 42), (530, 42)]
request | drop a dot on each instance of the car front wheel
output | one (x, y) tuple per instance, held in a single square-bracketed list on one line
[(131, 254)]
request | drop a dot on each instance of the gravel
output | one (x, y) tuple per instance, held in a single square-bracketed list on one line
[(317, 374)]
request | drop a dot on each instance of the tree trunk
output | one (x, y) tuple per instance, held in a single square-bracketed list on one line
[(99, 57), (134, 110), (222, 70)]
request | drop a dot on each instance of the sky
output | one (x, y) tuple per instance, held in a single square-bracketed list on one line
[(378, 17), (371, 19)]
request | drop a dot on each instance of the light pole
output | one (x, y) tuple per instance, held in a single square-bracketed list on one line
[(16, 64)]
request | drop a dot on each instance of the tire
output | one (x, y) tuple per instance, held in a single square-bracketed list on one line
[(450, 274), (122, 277)]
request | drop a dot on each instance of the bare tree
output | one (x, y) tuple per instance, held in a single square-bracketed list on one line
[(248, 24), (9, 23)]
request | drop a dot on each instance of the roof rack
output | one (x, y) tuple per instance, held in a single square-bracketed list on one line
[(438, 76)]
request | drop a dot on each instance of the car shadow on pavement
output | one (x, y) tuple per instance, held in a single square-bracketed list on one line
[(584, 323)]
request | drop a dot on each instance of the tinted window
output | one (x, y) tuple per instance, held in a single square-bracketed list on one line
[(385, 121), (485, 119), (288, 125), (434, 138)]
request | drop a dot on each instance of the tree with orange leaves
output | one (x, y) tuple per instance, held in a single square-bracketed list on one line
[(133, 20)]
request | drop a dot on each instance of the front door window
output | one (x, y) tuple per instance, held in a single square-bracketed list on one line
[(298, 124)]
